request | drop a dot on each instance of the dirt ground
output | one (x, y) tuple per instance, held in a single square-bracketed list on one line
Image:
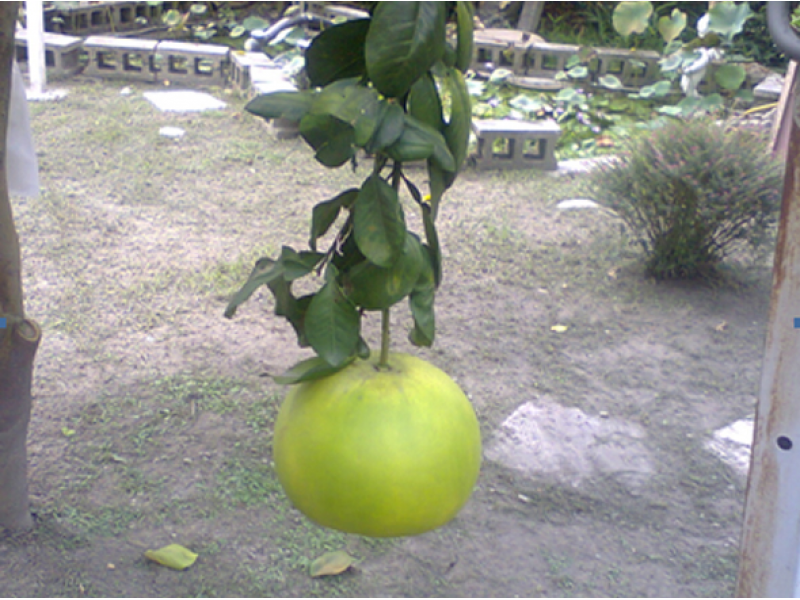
[(153, 413)]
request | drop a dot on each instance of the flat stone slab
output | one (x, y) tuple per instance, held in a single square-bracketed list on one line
[(184, 101), (733, 444), (553, 441), (577, 204), (770, 88)]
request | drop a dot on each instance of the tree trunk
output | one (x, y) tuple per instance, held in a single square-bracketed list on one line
[(19, 337)]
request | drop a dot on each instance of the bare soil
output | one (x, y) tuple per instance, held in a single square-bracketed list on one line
[(153, 413)]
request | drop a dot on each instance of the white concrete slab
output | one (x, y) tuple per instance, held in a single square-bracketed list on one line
[(577, 204), (184, 101), (171, 132), (553, 441), (732, 444)]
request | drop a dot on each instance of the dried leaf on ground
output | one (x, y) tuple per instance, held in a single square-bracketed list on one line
[(173, 556), (331, 563)]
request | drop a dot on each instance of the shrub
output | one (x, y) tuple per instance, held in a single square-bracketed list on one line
[(689, 191)]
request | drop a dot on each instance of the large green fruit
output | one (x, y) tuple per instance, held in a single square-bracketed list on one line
[(375, 288), (378, 451)]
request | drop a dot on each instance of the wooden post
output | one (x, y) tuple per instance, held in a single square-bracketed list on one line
[(530, 16)]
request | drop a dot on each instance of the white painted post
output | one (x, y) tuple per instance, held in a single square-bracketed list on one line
[(36, 58)]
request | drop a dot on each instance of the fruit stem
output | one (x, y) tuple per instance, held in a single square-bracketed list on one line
[(384, 360)]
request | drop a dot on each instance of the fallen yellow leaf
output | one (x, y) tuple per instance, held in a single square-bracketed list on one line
[(722, 326), (559, 328), (173, 556), (331, 563)]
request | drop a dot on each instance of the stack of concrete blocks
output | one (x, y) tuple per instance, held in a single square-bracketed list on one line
[(103, 17), (62, 52), (525, 144), (502, 49), (527, 55), (151, 60)]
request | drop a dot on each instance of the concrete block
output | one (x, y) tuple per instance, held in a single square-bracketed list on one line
[(197, 63), (121, 57), (151, 60), (634, 68), (526, 144), (62, 52), (502, 49), (242, 63)]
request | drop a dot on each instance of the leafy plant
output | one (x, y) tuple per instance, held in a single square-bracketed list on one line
[(377, 86), (691, 60), (689, 191)]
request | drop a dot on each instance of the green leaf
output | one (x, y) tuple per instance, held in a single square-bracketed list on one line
[(424, 103), (434, 250), (297, 265), (499, 76), (404, 40), (609, 81), (171, 18), (632, 17), (391, 123), (173, 556), (730, 77), (671, 27), (656, 90), (253, 23), (332, 325), (362, 350), (379, 223), (745, 94), (325, 213), (287, 105), (457, 130), (671, 62), (332, 138), (309, 370), (337, 53), (578, 72), (464, 35), (672, 111), (265, 271), (712, 102), (291, 308), (569, 95), (420, 301), (354, 104), (198, 9), (419, 142), (728, 18), (331, 563), (525, 103), (237, 31), (437, 181)]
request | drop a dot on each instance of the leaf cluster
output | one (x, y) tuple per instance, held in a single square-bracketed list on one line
[(689, 191), (376, 88)]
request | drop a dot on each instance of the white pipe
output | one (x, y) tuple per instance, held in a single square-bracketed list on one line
[(36, 59)]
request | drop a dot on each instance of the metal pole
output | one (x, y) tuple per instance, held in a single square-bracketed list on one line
[(36, 58), (769, 565)]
